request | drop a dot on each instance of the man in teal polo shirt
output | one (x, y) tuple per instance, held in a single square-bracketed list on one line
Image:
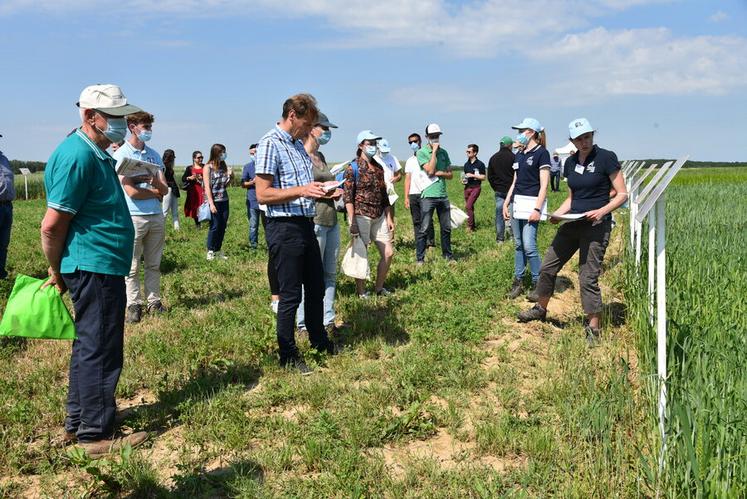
[(87, 236), (435, 161)]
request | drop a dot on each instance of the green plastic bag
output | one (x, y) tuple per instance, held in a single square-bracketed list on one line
[(34, 312)]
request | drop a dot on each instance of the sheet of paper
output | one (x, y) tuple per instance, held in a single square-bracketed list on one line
[(331, 186), (128, 167), (524, 206), (338, 168), (569, 216)]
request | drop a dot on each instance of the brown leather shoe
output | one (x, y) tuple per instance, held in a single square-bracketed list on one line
[(100, 448)]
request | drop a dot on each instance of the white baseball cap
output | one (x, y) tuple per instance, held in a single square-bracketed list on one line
[(578, 127), (106, 98), (384, 146), (367, 135), (529, 123), (433, 129)]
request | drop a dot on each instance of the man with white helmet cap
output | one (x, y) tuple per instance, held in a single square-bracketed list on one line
[(87, 236), (435, 161)]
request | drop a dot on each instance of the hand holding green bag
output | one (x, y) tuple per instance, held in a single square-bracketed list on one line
[(36, 312)]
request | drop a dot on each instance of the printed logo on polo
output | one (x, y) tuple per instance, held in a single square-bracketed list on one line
[(530, 160), (591, 167)]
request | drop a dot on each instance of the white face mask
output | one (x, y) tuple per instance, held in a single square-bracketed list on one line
[(435, 140)]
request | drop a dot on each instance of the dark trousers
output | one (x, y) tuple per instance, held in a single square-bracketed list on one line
[(442, 207), (272, 274), (6, 221), (295, 253), (218, 223), (416, 213), (471, 193), (96, 361), (252, 214), (591, 243), (555, 181)]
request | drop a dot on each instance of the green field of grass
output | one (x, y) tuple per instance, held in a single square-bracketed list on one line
[(439, 393)]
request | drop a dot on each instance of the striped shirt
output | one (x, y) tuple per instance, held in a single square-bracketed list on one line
[(286, 160)]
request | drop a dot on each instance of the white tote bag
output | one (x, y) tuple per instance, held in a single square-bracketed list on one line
[(458, 217), (203, 212), (355, 261)]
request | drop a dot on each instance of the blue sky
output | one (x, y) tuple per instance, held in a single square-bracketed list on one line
[(657, 78)]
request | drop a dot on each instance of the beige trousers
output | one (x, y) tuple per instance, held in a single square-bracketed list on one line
[(149, 237)]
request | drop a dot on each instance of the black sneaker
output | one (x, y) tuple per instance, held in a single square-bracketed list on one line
[(536, 313), (134, 313), (593, 336), (533, 296), (299, 365), (516, 289), (156, 308)]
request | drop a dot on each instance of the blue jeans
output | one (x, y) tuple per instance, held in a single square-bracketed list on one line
[(98, 353), (253, 215), (6, 221), (442, 207), (500, 223), (525, 243), (218, 223), (329, 245)]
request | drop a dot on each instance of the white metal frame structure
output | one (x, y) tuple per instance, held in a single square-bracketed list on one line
[(648, 202)]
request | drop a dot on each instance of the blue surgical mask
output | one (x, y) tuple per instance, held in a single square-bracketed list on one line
[(145, 135), (324, 137), (522, 139), (223, 156), (116, 129), (414, 146), (370, 151)]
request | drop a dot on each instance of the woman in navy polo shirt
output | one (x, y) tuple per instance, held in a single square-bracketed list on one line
[(593, 174), (531, 177)]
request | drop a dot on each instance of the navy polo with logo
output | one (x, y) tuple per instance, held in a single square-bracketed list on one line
[(590, 183)]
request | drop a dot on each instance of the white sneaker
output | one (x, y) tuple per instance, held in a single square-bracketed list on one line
[(274, 306), (176, 226), (222, 255), (364, 295), (210, 255)]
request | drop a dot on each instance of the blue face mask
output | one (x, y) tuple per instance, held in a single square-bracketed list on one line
[(370, 151), (145, 135), (116, 129), (223, 156), (324, 137), (414, 146), (522, 139)]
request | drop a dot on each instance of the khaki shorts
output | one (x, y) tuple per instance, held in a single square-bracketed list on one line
[(373, 229)]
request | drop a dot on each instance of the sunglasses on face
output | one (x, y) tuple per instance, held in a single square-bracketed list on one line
[(413, 142)]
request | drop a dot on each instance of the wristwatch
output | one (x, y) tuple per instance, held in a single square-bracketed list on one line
[(538, 210)]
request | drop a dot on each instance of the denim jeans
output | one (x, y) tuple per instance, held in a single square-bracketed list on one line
[(98, 353), (6, 221), (295, 254), (218, 223), (500, 223), (525, 244), (253, 215), (417, 215), (329, 246), (442, 207)]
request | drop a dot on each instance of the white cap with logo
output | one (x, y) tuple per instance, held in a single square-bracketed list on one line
[(433, 129), (106, 98)]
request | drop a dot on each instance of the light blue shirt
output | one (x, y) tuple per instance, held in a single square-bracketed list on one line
[(286, 160), (141, 207)]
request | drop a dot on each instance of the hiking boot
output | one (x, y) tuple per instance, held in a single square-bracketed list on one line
[(384, 292), (134, 313), (100, 448), (536, 313), (533, 296), (68, 438), (299, 365), (210, 255), (516, 289), (593, 336), (156, 308)]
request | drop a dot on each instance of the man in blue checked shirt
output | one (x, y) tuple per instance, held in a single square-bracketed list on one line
[(285, 183)]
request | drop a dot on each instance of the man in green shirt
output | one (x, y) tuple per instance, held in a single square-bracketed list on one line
[(434, 160), (87, 237)]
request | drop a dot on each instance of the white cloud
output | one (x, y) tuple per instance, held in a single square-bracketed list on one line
[(649, 62), (718, 16)]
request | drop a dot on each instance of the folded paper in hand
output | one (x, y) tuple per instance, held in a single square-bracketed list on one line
[(524, 206), (128, 167)]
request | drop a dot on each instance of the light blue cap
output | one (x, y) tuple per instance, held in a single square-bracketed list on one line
[(383, 146), (367, 135), (578, 127), (530, 123)]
